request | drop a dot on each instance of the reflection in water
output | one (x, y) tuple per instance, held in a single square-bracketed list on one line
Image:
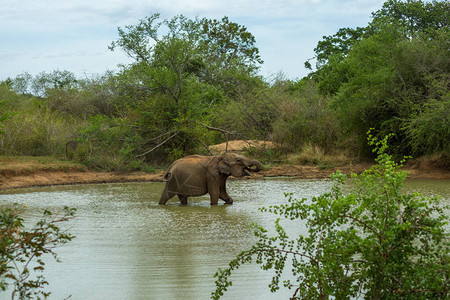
[(129, 247)]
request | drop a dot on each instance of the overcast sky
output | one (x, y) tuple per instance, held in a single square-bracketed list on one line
[(73, 35)]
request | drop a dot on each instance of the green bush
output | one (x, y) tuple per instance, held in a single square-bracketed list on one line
[(4, 115), (250, 113), (372, 241), (429, 129), (37, 132), (304, 118), (106, 145)]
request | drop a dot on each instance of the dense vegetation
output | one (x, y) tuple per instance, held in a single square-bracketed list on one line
[(195, 82)]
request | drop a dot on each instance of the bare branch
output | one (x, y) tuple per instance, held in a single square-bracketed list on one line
[(224, 131), (364, 224), (220, 129), (159, 145), (159, 136), (206, 146)]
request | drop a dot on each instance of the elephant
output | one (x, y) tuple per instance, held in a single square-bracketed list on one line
[(197, 175)]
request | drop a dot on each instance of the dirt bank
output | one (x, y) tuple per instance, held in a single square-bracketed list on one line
[(39, 176), (20, 172)]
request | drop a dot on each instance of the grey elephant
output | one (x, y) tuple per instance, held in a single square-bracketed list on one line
[(197, 175)]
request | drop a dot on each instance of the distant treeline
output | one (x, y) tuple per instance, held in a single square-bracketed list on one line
[(196, 82)]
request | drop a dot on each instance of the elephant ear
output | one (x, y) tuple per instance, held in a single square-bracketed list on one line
[(223, 167)]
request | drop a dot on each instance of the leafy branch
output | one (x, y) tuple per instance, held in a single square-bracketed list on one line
[(21, 249), (372, 241)]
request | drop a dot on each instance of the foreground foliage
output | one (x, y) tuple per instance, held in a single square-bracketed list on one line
[(372, 241), (22, 250)]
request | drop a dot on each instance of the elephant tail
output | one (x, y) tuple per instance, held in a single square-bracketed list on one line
[(168, 173), (167, 176)]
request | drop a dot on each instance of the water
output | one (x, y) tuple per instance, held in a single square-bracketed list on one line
[(129, 247)]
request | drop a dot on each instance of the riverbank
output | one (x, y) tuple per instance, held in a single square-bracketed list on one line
[(32, 172)]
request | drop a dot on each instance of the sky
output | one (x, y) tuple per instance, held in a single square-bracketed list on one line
[(74, 35)]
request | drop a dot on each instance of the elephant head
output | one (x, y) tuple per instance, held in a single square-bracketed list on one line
[(237, 165)]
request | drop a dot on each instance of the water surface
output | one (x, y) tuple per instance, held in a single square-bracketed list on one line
[(129, 247)]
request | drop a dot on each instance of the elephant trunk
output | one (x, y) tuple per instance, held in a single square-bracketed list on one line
[(253, 165)]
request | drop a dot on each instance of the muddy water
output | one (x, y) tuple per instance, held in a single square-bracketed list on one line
[(129, 247)]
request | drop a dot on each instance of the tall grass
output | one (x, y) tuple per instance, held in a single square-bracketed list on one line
[(37, 132), (312, 154)]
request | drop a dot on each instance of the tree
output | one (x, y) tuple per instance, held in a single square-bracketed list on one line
[(161, 86), (383, 76), (22, 249), (4, 115), (337, 45), (372, 241), (389, 79), (229, 43), (178, 76), (44, 83), (199, 48), (6, 93), (231, 58), (304, 118), (411, 16), (250, 112), (414, 15), (22, 83)]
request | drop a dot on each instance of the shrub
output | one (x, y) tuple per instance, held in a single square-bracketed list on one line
[(250, 113), (304, 118), (4, 115), (106, 145), (20, 249), (429, 130), (373, 241), (38, 131)]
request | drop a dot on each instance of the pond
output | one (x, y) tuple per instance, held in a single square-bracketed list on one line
[(129, 247)]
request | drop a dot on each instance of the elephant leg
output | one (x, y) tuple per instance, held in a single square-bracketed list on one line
[(214, 196), (224, 195), (165, 196), (213, 186), (214, 200), (183, 199)]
